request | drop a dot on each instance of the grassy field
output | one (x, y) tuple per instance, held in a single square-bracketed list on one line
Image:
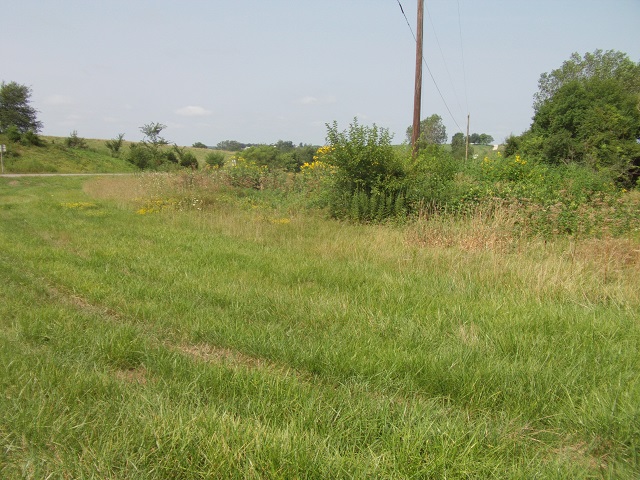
[(150, 330)]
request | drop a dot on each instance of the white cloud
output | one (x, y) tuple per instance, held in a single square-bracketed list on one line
[(308, 100), (58, 100), (311, 100), (193, 111)]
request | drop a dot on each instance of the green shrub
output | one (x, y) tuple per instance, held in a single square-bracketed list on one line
[(366, 165), (74, 141), (139, 156), (31, 139), (245, 173), (189, 160), (115, 145), (430, 178), (13, 134), (215, 159)]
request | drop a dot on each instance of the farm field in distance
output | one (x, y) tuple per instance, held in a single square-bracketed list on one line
[(150, 330)]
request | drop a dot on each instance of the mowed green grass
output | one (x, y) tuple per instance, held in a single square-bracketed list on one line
[(245, 341)]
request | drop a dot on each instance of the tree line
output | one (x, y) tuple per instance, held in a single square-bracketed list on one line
[(587, 112)]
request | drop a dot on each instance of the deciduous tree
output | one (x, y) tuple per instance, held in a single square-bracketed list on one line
[(588, 111), (458, 145), (432, 131), (15, 109)]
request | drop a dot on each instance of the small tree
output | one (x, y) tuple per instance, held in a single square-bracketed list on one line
[(115, 145), (15, 109), (587, 112), (74, 141), (185, 158), (459, 146), (432, 131), (152, 132), (148, 153), (485, 139)]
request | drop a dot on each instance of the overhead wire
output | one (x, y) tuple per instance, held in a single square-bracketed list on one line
[(444, 60), (428, 69), (464, 71)]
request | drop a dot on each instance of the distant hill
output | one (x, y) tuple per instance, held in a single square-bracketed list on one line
[(53, 156)]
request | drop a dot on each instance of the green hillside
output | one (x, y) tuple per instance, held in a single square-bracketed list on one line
[(53, 156)]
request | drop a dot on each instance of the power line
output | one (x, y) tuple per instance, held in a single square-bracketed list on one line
[(464, 71), (429, 70), (444, 61)]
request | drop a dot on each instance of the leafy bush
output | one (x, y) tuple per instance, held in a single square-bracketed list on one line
[(27, 138), (74, 141), (430, 176), (366, 165), (283, 156), (139, 156), (31, 139), (245, 173), (13, 134), (189, 160), (215, 159), (115, 145)]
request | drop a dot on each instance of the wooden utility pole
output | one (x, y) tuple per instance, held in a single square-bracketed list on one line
[(417, 97), (466, 149)]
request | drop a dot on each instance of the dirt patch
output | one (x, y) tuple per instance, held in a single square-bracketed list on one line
[(125, 188), (579, 454), (133, 375), (210, 353), (469, 334)]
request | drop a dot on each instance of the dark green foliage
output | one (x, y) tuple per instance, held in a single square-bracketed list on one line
[(304, 154), (215, 159), (369, 172), (140, 156), (182, 157), (480, 139), (595, 122), (15, 109), (587, 112), (598, 65), (284, 155), (376, 207), (28, 138), (430, 179), (199, 145), (150, 153), (459, 146), (13, 134), (74, 141), (172, 157), (432, 131), (230, 145), (512, 145), (189, 160)]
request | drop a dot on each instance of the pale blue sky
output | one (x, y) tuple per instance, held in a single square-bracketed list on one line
[(268, 70)]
